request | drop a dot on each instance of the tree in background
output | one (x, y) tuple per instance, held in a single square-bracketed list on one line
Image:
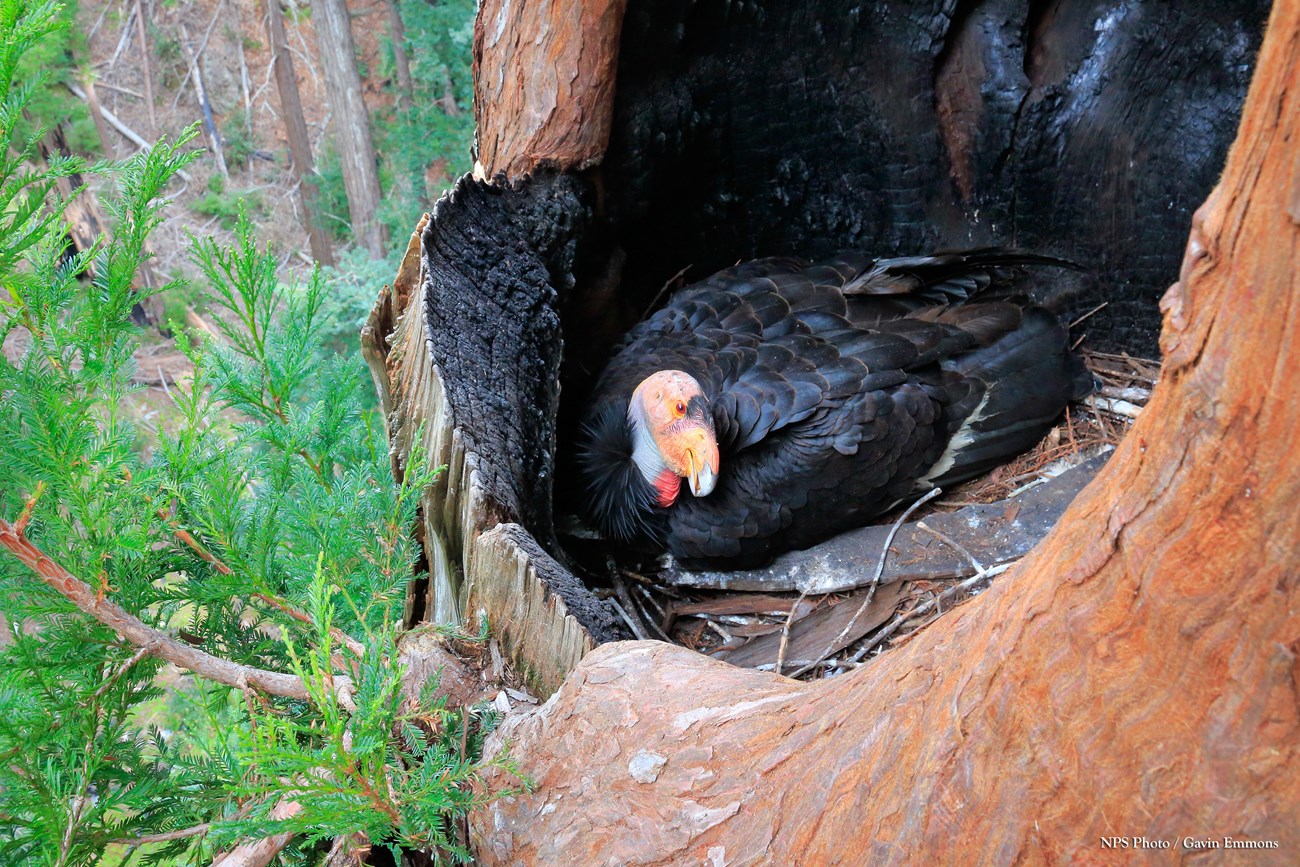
[(295, 130), (351, 123), (425, 146)]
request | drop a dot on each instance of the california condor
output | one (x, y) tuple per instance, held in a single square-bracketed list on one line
[(797, 401)]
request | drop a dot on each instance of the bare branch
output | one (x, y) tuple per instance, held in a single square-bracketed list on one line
[(158, 643), (115, 122), (875, 581), (164, 837), (115, 676), (260, 853)]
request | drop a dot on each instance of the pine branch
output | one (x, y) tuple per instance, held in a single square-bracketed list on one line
[(158, 643)]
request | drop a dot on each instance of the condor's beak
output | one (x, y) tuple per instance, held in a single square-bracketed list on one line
[(702, 468)]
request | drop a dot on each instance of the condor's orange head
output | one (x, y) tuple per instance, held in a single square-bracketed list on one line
[(672, 435)]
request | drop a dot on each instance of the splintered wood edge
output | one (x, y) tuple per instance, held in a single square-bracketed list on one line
[(474, 564), (533, 622)]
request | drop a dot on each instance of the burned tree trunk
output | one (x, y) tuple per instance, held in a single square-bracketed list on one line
[(1136, 676), (465, 351)]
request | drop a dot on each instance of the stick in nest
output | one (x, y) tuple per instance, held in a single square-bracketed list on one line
[(925, 607), (875, 581), (981, 574)]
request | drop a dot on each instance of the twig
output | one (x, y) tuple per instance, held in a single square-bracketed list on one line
[(202, 45), (1130, 393), (645, 612), (144, 62), (1116, 406), (158, 643), (952, 543), (785, 631), (875, 579), (99, 22), (128, 133), (205, 107), (726, 636), (20, 526), (925, 607), (126, 35), (119, 89), (629, 606), (636, 628), (824, 663), (662, 289), (162, 378), (248, 100), (185, 536), (358, 649), (164, 837), (113, 678), (1087, 315)]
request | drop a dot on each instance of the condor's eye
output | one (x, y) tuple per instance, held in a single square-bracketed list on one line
[(680, 408)]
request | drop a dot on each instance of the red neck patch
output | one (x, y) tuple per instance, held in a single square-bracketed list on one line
[(667, 484)]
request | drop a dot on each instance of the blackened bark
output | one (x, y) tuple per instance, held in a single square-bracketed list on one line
[(743, 130)]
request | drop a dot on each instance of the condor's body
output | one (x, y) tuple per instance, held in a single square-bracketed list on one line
[(833, 391)]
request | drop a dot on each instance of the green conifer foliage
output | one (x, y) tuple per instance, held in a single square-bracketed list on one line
[(262, 528)]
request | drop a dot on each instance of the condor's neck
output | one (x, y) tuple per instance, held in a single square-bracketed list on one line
[(650, 464), (622, 501)]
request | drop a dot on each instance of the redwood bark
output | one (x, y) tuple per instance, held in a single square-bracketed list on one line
[(295, 130), (1136, 675), (351, 123), (544, 83)]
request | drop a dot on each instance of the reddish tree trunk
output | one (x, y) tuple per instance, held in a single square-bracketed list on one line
[(544, 83), (1135, 676)]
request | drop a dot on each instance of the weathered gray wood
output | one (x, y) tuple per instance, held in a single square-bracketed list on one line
[(995, 533), (821, 633)]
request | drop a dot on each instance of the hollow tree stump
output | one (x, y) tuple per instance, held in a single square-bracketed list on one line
[(1027, 722), (465, 350), (1136, 675)]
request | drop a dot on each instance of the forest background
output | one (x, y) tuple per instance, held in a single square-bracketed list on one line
[(136, 70)]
